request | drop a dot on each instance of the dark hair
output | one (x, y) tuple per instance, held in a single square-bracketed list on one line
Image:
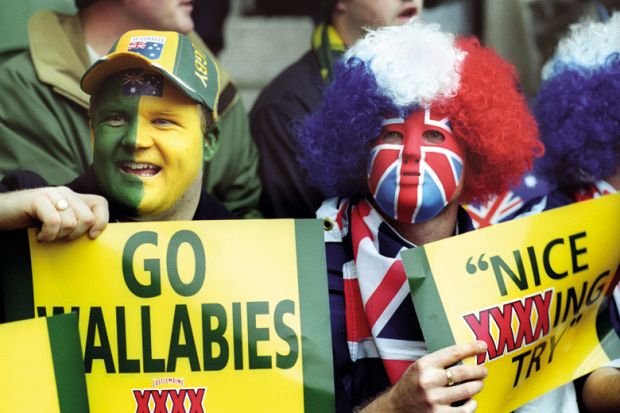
[(81, 4)]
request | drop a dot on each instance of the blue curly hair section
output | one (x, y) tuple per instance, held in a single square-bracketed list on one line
[(334, 141), (578, 111)]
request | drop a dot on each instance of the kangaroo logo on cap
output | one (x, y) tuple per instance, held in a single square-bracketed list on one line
[(148, 46)]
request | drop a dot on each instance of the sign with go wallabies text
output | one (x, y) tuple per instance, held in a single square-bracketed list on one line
[(195, 316), (535, 289)]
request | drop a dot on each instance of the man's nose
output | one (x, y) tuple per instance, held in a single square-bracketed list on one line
[(144, 135), (411, 148)]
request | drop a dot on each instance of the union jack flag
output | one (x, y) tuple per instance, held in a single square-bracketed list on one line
[(507, 206), (498, 209), (380, 317), (437, 177), (133, 46)]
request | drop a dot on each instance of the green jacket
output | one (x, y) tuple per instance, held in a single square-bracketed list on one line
[(44, 117)]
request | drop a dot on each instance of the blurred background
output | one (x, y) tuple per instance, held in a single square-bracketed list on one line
[(256, 39)]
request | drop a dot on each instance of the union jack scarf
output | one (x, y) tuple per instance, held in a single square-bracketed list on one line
[(380, 318)]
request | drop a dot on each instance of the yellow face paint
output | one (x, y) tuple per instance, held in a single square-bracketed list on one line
[(148, 144), (168, 151)]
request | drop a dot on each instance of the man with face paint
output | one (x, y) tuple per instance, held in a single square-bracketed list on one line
[(44, 114), (297, 91), (152, 121), (152, 125), (414, 123)]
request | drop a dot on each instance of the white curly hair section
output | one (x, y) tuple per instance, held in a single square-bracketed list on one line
[(587, 45), (415, 63)]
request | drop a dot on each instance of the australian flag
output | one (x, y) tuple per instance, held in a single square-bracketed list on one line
[(507, 205), (139, 83), (149, 47)]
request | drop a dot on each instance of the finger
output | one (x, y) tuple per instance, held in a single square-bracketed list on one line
[(462, 373), (99, 207), (84, 217), (469, 406), (68, 223), (458, 392), (47, 214), (453, 354)]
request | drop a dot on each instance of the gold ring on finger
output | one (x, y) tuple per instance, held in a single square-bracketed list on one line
[(450, 378)]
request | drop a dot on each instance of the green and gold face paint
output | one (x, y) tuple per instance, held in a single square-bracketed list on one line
[(148, 142)]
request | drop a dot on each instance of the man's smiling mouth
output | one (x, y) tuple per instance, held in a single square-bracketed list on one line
[(140, 169), (409, 12)]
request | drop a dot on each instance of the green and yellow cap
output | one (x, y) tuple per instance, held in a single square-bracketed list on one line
[(170, 53)]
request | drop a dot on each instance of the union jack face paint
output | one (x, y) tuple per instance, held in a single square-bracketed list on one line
[(415, 166)]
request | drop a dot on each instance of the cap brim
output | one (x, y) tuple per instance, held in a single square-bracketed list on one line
[(103, 68)]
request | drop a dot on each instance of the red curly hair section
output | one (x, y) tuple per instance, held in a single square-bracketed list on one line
[(493, 124)]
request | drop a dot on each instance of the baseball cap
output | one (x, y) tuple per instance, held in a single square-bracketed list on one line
[(170, 53)]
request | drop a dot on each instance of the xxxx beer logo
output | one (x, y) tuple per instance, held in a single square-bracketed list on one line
[(186, 400)]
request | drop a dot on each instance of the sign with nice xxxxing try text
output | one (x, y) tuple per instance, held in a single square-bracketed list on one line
[(534, 289), (194, 316)]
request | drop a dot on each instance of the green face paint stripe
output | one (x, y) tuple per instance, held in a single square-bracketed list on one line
[(314, 311), (68, 365), (115, 144)]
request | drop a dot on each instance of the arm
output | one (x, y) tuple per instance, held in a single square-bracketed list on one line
[(601, 391), (62, 213), (424, 387)]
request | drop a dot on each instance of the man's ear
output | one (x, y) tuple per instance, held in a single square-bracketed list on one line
[(212, 142), (92, 134)]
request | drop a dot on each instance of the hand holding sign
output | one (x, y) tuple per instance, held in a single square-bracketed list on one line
[(62, 213), (431, 385)]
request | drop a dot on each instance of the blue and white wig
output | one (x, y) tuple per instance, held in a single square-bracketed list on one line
[(578, 105)]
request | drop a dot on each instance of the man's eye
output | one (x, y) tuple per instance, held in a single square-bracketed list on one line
[(392, 137), (433, 136), (163, 122), (116, 120)]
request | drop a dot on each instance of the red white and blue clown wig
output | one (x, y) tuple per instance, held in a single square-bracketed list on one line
[(459, 87), (578, 105)]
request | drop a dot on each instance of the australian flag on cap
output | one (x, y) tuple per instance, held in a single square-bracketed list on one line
[(138, 83), (148, 46)]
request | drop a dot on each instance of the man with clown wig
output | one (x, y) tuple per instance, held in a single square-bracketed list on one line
[(578, 110), (414, 123)]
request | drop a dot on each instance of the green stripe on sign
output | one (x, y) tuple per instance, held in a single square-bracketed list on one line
[(16, 275), (315, 332), (68, 364), (426, 300)]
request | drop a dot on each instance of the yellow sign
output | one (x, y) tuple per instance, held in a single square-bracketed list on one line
[(42, 368), (196, 316), (534, 289)]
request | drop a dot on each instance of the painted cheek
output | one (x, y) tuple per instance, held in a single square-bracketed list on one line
[(177, 153), (111, 148)]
